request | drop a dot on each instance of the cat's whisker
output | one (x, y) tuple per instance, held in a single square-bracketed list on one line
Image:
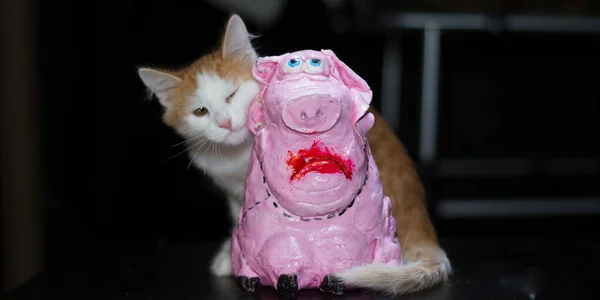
[(211, 145), (214, 149), (170, 158), (218, 151), (192, 160), (196, 154), (187, 141), (204, 141), (183, 151), (222, 156)]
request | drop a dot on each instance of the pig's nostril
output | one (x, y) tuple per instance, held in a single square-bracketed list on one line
[(319, 114), (312, 113)]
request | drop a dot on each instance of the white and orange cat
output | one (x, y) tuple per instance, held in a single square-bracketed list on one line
[(207, 102)]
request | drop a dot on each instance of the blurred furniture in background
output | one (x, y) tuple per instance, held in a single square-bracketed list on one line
[(433, 25), (496, 27), (263, 13)]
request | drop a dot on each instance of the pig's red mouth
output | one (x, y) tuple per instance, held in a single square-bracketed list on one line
[(318, 159)]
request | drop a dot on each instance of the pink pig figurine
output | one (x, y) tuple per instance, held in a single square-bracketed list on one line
[(314, 202)]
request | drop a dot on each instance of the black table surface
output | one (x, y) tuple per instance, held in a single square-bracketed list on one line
[(484, 269)]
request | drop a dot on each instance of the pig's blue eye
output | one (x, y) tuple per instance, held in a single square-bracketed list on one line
[(315, 62), (294, 62)]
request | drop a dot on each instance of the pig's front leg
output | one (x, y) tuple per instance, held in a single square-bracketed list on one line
[(340, 248), (285, 256), (248, 279)]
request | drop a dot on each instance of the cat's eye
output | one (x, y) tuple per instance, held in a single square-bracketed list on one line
[(201, 111), (315, 62), (294, 62), (228, 99)]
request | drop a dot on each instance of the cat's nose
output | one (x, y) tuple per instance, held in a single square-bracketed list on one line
[(225, 124)]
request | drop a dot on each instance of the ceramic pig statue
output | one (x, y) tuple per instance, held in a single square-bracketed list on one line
[(314, 202)]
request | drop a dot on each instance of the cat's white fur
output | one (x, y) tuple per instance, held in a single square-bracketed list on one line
[(227, 164), (222, 153)]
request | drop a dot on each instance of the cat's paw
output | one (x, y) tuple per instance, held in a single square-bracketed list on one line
[(221, 263)]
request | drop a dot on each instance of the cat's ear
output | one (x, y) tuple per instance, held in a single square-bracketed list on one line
[(236, 41), (159, 83)]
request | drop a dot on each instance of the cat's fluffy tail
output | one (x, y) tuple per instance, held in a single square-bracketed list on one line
[(426, 267)]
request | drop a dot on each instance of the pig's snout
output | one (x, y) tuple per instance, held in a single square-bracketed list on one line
[(313, 113)]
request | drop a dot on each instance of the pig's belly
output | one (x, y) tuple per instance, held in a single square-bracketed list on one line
[(312, 251)]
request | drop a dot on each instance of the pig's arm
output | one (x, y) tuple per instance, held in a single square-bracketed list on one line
[(365, 124), (255, 114)]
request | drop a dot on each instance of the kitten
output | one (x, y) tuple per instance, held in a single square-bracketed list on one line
[(207, 102)]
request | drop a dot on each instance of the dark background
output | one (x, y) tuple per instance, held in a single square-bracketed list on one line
[(106, 168), (107, 152)]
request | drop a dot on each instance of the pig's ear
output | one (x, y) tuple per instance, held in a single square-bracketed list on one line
[(255, 114), (365, 124), (264, 68), (256, 124), (347, 75), (360, 101), (363, 93)]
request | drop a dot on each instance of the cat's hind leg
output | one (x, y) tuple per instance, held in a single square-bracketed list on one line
[(221, 263)]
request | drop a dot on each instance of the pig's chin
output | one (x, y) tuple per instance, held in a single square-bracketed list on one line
[(315, 182), (318, 204), (318, 195)]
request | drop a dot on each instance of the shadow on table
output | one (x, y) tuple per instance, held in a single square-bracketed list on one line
[(227, 288)]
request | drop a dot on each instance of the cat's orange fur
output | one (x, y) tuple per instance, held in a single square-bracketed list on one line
[(427, 263), (402, 184), (234, 68)]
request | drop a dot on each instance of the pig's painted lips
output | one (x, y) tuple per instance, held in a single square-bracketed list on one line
[(318, 159)]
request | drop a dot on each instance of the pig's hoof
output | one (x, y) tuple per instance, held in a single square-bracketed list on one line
[(332, 285), (287, 285), (249, 284)]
